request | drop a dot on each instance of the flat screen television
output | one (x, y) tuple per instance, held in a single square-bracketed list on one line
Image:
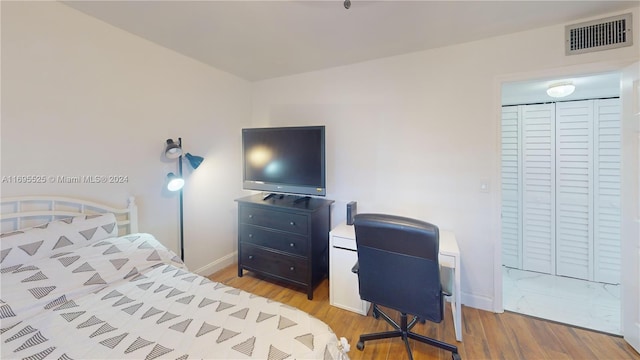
[(288, 160)]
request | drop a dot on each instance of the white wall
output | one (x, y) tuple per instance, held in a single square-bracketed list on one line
[(80, 97), (417, 134)]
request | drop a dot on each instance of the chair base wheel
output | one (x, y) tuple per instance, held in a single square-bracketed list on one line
[(360, 345)]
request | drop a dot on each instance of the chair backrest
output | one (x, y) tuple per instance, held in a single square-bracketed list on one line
[(398, 264)]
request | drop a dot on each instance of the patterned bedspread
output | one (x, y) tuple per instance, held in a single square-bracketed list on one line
[(130, 297)]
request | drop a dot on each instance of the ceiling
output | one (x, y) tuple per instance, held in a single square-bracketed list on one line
[(258, 40)]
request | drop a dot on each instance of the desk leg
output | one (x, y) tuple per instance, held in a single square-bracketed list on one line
[(456, 307)]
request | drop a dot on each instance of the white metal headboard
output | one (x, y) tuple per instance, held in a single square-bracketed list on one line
[(26, 211)]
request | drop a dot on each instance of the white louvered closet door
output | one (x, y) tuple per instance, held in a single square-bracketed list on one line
[(538, 188), (561, 181), (511, 186), (607, 182), (574, 189)]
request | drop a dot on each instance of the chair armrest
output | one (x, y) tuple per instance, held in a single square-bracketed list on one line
[(355, 268)]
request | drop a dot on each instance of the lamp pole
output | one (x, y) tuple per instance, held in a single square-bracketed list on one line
[(180, 196)]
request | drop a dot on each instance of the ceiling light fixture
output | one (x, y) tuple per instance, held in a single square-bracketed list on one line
[(561, 89)]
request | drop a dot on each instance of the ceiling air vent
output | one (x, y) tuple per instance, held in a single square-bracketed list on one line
[(601, 34)]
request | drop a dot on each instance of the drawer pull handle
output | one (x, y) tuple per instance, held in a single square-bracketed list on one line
[(292, 245), (250, 235), (292, 268), (250, 257), (250, 216), (292, 223)]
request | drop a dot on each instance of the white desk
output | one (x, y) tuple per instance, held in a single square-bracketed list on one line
[(449, 256), (343, 285)]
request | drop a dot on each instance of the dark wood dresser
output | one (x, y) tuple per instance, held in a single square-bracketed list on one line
[(284, 239)]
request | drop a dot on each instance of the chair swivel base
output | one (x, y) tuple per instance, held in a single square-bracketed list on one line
[(404, 331)]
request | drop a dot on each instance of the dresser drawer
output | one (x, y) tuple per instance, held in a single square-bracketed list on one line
[(279, 220), (273, 263), (290, 243)]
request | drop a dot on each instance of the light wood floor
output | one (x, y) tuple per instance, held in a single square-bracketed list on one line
[(485, 335)]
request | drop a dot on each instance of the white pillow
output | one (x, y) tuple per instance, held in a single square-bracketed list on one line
[(26, 245)]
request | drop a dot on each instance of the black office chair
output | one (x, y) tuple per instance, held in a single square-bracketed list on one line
[(398, 268)]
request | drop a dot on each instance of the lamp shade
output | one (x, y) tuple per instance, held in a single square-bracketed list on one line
[(174, 182), (561, 89), (172, 150), (194, 160)]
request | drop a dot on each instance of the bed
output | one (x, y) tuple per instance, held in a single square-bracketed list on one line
[(78, 281)]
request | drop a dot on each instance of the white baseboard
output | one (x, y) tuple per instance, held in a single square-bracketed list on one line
[(217, 265), (634, 339), (478, 302)]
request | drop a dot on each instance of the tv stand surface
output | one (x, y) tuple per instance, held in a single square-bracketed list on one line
[(285, 239), (301, 199)]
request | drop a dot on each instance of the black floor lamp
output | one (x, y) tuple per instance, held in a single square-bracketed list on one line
[(173, 150)]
